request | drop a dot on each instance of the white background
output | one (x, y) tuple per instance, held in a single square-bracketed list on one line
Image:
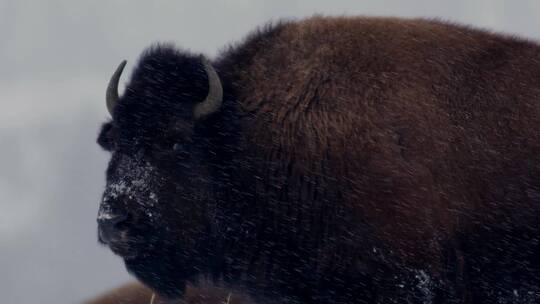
[(55, 61)]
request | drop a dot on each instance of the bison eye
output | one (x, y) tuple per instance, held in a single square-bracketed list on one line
[(178, 147)]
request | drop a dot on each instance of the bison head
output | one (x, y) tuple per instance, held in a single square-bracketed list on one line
[(158, 206)]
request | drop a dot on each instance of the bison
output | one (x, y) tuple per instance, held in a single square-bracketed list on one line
[(332, 160)]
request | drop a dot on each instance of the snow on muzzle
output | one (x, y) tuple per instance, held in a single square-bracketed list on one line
[(132, 185)]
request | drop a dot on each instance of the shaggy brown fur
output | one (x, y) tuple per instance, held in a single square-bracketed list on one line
[(397, 142), (136, 293), (355, 160), (130, 293)]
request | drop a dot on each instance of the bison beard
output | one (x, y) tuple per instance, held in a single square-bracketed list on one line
[(332, 160)]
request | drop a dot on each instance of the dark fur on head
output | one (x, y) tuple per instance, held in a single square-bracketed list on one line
[(154, 130), (353, 160)]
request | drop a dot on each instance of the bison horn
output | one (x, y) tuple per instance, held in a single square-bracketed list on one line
[(213, 100), (112, 89)]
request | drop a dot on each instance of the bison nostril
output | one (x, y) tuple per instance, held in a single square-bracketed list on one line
[(109, 225)]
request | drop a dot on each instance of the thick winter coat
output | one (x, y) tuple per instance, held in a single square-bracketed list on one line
[(332, 160)]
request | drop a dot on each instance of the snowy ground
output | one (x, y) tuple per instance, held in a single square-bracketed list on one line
[(56, 58)]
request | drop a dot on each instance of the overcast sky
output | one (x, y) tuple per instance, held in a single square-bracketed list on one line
[(56, 58)]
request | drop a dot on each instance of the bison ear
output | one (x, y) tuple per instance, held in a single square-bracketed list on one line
[(107, 137), (214, 99)]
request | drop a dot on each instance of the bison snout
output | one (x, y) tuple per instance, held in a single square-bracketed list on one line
[(110, 226)]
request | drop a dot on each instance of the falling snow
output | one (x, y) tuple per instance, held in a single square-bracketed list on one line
[(322, 178)]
